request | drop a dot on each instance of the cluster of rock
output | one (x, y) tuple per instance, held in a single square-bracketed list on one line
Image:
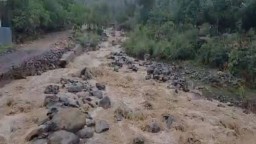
[(35, 65), (68, 120), (120, 59), (167, 73)]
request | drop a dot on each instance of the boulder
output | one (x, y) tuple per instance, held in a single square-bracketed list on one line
[(101, 126), (66, 58), (150, 70), (138, 140), (116, 69), (35, 132), (134, 68), (98, 94), (69, 119), (153, 127), (39, 141), (105, 102), (86, 132), (156, 77), (75, 87), (63, 137), (168, 119), (90, 123), (122, 111), (147, 77), (50, 100), (100, 86), (52, 89), (68, 99), (69, 102), (86, 74), (82, 94)]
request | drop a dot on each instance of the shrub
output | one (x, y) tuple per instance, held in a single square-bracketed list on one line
[(242, 62), (215, 53), (180, 47), (90, 39)]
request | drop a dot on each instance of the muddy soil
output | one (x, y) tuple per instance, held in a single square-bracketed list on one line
[(196, 120)]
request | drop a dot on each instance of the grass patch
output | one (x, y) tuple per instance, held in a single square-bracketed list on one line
[(4, 48)]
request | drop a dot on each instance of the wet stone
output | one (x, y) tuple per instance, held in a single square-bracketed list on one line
[(39, 141), (105, 102), (69, 102), (100, 86), (147, 77), (138, 140), (156, 77), (98, 94), (168, 119), (86, 132), (63, 137), (52, 89), (116, 69), (74, 87), (86, 74), (101, 126), (50, 100), (82, 94), (153, 127), (164, 79), (90, 123), (150, 70), (35, 132), (134, 68), (70, 119)]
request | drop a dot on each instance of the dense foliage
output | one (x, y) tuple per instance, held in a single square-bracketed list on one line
[(218, 33), (31, 17)]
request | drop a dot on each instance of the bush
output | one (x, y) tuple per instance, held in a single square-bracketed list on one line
[(31, 17), (216, 51), (180, 47), (139, 43), (242, 62), (90, 39)]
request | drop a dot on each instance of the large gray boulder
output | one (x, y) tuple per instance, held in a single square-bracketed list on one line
[(75, 87), (63, 137), (98, 94), (86, 132), (70, 119), (105, 102), (101, 126)]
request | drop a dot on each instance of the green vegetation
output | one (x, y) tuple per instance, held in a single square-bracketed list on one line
[(28, 18), (4, 48), (217, 33), (88, 39)]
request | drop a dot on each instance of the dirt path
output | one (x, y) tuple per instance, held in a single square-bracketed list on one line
[(31, 49), (197, 121)]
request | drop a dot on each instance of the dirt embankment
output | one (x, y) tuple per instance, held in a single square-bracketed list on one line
[(34, 58), (142, 109)]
